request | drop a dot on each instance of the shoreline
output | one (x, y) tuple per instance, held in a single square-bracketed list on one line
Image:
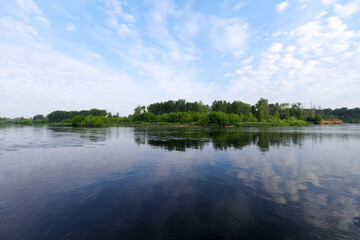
[(179, 125)]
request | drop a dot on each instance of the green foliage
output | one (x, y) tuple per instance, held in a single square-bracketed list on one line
[(177, 106), (203, 119), (38, 117), (272, 119), (76, 121), (218, 118), (284, 110), (249, 117), (139, 110), (40, 121), (146, 116), (58, 116), (66, 121), (202, 108), (194, 116), (345, 114), (179, 117), (92, 121), (219, 106), (22, 121), (122, 119), (173, 112), (262, 110), (162, 118), (318, 119), (238, 107), (295, 122), (234, 118)]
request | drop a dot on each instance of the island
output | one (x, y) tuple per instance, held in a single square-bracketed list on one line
[(183, 113)]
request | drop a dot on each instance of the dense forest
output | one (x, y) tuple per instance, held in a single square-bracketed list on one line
[(197, 113)]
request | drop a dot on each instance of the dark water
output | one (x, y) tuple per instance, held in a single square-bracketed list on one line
[(180, 183)]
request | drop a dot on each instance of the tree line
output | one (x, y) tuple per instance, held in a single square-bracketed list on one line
[(345, 114), (262, 111), (220, 112)]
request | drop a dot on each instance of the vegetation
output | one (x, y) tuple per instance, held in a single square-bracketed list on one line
[(180, 112), (89, 121), (58, 116), (345, 114)]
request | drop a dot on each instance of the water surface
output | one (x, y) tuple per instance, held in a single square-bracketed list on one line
[(180, 183)]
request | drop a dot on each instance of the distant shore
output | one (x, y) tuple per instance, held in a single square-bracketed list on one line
[(179, 125)]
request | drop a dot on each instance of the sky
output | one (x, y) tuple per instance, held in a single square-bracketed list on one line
[(114, 55)]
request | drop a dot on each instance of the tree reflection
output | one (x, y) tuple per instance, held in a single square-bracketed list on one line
[(221, 139)]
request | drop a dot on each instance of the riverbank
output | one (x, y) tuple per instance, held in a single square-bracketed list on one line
[(165, 124), (280, 123)]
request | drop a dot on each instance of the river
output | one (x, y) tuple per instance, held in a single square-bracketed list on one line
[(180, 183)]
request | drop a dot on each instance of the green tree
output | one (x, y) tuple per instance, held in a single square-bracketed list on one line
[(139, 109), (219, 106), (76, 121), (262, 109), (38, 117)]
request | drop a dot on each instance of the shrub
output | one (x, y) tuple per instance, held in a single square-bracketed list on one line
[(194, 116), (40, 121), (22, 121), (77, 120), (146, 116), (66, 121), (89, 121), (219, 118), (234, 118), (122, 119), (294, 122), (318, 119), (163, 117), (203, 119), (248, 117)]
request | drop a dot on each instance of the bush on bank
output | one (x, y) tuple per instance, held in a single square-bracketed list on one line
[(89, 121)]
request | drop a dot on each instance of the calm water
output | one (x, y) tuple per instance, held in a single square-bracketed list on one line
[(180, 183)]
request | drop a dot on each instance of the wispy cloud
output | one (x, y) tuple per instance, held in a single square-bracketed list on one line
[(28, 7), (316, 61), (132, 52), (118, 19), (229, 35), (282, 6), (239, 5), (31, 72)]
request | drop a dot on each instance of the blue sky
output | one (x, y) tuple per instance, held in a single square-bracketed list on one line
[(113, 54)]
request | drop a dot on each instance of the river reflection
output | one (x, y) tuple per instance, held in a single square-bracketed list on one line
[(180, 183), (225, 138)]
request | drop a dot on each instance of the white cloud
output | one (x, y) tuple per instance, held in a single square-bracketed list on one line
[(328, 2), (346, 10), (29, 6), (275, 34), (321, 14), (36, 78), (70, 27), (276, 47), (229, 35), (239, 5), (318, 62), (329, 36), (282, 6), (118, 19), (248, 60)]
